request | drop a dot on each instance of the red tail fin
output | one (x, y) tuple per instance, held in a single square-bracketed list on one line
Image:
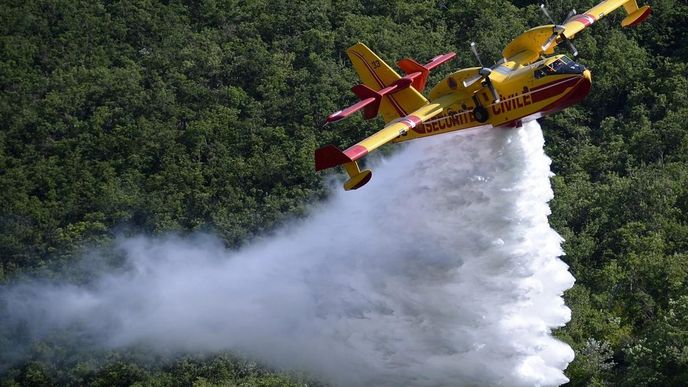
[(410, 67), (364, 92)]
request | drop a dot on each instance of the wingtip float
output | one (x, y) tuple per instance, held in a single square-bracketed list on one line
[(528, 82)]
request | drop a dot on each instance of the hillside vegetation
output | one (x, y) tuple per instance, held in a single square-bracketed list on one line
[(180, 116)]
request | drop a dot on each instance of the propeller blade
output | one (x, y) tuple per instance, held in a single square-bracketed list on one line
[(571, 47), (549, 41), (571, 14), (484, 74), (542, 7), (558, 31), (469, 81), (490, 86), (475, 52)]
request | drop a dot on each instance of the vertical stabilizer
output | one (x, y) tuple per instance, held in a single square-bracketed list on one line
[(377, 75)]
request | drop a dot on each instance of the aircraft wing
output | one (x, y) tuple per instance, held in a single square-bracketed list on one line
[(530, 45), (636, 15)]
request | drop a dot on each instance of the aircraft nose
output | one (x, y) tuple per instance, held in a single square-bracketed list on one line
[(587, 75)]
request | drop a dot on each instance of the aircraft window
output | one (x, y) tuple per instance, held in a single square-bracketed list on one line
[(559, 66), (545, 70)]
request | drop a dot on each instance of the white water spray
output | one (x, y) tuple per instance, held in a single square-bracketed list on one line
[(443, 270)]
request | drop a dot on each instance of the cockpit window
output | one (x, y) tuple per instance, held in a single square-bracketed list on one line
[(562, 65)]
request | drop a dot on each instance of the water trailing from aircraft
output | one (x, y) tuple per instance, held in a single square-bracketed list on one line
[(442, 271)]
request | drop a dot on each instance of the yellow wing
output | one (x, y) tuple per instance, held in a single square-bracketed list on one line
[(635, 16), (400, 126), (530, 45)]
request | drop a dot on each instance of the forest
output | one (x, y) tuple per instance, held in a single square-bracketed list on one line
[(129, 117)]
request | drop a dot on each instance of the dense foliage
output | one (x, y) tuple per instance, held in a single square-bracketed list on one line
[(187, 115)]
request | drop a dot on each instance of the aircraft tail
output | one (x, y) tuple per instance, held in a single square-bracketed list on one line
[(377, 75)]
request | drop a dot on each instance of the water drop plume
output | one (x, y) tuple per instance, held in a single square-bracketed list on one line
[(443, 270)]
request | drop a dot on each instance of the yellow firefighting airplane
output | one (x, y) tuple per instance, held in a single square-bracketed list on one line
[(523, 86)]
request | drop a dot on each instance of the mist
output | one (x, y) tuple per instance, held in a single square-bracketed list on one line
[(443, 270)]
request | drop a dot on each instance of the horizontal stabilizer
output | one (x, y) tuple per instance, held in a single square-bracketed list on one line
[(370, 99), (366, 103), (365, 93), (419, 73)]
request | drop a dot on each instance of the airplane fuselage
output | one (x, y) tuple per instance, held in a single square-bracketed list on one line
[(526, 93)]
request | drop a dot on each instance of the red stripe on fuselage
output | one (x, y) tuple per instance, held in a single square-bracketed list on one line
[(577, 94), (552, 89)]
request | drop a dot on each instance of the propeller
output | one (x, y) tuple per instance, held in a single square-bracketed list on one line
[(484, 74), (558, 31)]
